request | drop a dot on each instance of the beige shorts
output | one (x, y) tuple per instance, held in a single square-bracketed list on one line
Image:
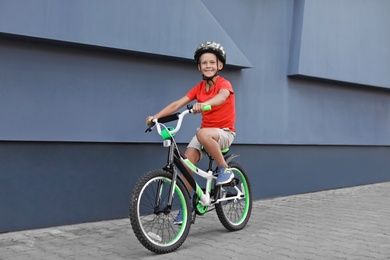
[(226, 138)]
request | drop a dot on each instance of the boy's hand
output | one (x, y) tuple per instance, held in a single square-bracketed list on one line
[(197, 108), (149, 120)]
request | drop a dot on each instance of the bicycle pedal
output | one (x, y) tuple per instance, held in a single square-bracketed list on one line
[(232, 183)]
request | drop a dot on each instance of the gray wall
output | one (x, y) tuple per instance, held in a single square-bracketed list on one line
[(77, 80), (55, 183)]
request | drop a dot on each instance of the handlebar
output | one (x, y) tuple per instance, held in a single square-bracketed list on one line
[(177, 116)]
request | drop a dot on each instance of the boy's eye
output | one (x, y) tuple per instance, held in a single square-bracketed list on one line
[(205, 62)]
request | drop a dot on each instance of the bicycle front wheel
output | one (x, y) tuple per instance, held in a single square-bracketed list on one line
[(152, 219), (234, 214)]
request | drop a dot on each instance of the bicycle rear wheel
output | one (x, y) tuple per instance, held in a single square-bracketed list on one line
[(235, 214), (151, 218)]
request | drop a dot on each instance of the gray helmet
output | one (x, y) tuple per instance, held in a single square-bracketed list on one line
[(212, 47)]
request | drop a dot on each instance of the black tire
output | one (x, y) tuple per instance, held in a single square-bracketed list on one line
[(235, 214), (153, 226)]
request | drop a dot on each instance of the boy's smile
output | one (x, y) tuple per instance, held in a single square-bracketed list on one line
[(208, 64)]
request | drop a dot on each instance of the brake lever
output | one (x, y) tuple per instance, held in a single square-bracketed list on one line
[(150, 128)]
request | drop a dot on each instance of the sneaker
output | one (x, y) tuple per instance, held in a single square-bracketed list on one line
[(179, 218), (225, 175)]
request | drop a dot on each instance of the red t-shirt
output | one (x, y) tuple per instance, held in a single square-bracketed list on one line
[(222, 116)]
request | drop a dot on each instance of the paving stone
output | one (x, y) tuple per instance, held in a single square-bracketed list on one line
[(349, 223)]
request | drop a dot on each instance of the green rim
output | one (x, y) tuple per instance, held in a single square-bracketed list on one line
[(246, 208), (184, 210)]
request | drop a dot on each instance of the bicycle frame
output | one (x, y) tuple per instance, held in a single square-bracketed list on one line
[(176, 158), (161, 209), (183, 164)]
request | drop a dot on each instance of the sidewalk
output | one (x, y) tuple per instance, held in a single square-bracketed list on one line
[(349, 223)]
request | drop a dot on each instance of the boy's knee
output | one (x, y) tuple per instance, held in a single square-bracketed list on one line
[(201, 132), (192, 154), (205, 133)]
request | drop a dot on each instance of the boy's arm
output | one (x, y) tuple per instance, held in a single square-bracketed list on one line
[(217, 100), (170, 109)]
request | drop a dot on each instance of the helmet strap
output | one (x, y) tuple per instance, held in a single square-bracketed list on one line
[(210, 78)]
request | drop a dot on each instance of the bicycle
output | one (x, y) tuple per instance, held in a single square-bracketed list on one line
[(159, 194)]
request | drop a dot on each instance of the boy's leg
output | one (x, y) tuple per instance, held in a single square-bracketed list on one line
[(209, 137), (212, 141), (193, 155)]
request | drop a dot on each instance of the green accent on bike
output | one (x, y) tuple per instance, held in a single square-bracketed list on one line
[(206, 108), (185, 212), (165, 134), (191, 165), (199, 191), (245, 184), (222, 150), (225, 150), (199, 207)]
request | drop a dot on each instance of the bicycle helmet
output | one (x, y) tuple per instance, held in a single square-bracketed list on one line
[(213, 47)]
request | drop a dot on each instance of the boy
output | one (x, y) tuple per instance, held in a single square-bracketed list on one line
[(217, 128)]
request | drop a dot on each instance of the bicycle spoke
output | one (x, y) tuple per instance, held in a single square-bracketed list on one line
[(151, 217), (234, 213)]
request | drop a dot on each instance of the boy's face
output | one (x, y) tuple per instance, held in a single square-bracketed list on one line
[(208, 64)]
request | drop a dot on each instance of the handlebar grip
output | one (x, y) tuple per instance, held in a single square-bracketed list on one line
[(206, 108), (169, 118)]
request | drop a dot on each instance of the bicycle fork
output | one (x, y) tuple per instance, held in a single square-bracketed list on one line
[(157, 200), (160, 187)]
